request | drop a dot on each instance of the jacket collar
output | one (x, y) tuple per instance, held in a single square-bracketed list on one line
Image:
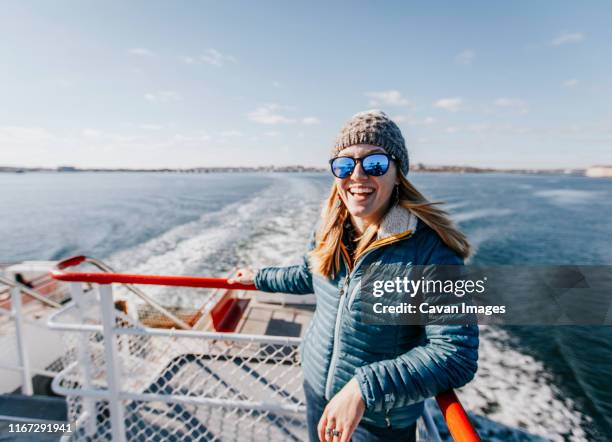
[(397, 222)]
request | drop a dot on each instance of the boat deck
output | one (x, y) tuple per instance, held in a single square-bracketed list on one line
[(276, 320)]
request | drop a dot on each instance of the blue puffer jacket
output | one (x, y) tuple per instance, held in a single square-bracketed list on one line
[(397, 367)]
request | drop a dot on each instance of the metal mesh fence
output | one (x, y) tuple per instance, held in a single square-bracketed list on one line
[(182, 385), (174, 422), (123, 381)]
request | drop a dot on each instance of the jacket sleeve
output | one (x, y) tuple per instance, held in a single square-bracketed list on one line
[(447, 359), (296, 280)]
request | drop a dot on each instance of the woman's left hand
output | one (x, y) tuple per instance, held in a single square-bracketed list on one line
[(342, 414)]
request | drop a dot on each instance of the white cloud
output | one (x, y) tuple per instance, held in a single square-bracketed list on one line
[(479, 128), (450, 104), (466, 57), (17, 135), (216, 58), (498, 128), (451, 129), (570, 83), (64, 83), (512, 103), (90, 133), (150, 126), (162, 96), (401, 118), (568, 37), (272, 134), (187, 59), (88, 147), (427, 121), (191, 139), (211, 56), (141, 52), (310, 121), (231, 134), (268, 114), (389, 98)]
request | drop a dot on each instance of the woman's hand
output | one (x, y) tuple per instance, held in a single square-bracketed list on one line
[(342, 414), (244, 276)]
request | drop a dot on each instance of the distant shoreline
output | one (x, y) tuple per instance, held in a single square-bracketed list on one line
[(292, 169)]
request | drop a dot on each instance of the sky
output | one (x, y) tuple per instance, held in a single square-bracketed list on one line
[(148, 84)]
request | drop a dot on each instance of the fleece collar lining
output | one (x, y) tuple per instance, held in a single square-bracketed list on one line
[(397, 221)]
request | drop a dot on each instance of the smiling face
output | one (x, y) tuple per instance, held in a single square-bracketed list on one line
[(366, 197)]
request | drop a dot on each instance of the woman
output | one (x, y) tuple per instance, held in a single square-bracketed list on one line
[(365, 382)]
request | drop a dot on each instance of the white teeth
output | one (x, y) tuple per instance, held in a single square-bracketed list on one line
[(361, 190)]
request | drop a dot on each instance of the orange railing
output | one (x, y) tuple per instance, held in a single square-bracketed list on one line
[(456, 418), (125, 278)]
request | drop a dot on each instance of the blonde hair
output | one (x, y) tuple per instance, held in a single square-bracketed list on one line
[(328, 251)]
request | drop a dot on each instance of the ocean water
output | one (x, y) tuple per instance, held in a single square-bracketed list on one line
[(534, 383)]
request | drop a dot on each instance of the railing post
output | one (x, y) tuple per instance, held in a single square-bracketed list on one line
[(76, 292), (433, 435), (24, 360), (113, 374)]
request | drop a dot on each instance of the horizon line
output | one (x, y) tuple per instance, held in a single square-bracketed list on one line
[(418, 166)]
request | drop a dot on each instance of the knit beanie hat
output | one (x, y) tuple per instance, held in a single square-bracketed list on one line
[(376, 128)]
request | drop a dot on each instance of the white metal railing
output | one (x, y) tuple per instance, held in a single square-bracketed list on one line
[(114, 371), (21, 362), (122, 371), (233, 385)]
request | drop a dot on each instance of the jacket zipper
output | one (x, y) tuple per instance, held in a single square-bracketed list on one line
[(334, 356), (335, 344)]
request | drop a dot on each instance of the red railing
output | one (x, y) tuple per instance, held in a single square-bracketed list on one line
[(454, 414), (126, 278), (456, 418)]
